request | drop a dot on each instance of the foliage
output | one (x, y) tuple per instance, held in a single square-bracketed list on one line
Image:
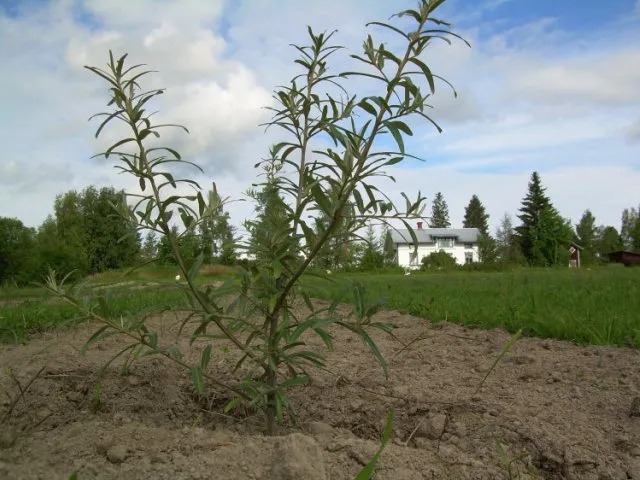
[(586, 237), (507, 246), (476, 216), (388, 248), (608, 241), (149, 248), (372, 258), (543, 234), (488, 249), (257, 314), (440, 260), (217, 236), (628, 226), (630, 230), (439, 212), (17, 245)]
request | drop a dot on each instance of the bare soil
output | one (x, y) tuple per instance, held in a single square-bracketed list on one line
[(559, 411)]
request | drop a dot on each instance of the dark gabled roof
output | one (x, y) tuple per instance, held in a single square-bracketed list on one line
[(428, 235)]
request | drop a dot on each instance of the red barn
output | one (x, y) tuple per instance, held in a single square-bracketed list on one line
[(625, 257)]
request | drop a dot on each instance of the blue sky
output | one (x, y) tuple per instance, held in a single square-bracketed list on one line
[(552, 86)]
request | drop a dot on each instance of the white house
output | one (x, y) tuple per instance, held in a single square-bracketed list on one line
[(460, 243)]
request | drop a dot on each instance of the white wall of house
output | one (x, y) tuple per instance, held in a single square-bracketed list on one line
[(457, 251)]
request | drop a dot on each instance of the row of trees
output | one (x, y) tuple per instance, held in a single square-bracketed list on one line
[(542, 236), (86, 234)]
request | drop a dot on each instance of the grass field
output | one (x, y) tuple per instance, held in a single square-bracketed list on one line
[(25, 311), (597, 306)]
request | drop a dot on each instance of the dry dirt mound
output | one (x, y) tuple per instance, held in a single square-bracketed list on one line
[(560, 411)]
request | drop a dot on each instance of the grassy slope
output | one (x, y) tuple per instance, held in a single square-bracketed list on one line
[(599, 306)]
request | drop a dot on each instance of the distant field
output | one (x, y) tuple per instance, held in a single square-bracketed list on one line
[(598, 306), (24, 311)]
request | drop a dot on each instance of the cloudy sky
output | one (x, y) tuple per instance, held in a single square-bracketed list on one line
[(548, 85)]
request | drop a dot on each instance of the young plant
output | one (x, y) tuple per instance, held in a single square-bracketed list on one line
[(308, 183)]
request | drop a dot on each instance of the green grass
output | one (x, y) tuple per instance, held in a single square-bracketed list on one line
[(597, 306), (25, 311)]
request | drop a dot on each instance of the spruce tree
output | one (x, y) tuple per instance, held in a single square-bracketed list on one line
[(543, 234), (475, 216), (388, 248), (439, 212)]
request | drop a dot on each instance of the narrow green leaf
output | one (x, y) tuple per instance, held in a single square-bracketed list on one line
[(233, 403), (94, 338), (502, 353), (397, 136), (117, 144), (198, 381), (367, 107), (374, 348), (427, 73), (321, 199), (205, 358), (195, 267), (367, 471), (295, 381)]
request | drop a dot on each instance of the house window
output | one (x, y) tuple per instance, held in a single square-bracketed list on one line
[(444, 242), (468, 245), (413, 258), (468, 257)]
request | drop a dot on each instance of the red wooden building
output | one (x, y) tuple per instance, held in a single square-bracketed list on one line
[(574, 255), (625, 257)]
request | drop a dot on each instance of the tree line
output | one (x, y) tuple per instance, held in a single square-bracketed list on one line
[(542, 236), (87, 233)]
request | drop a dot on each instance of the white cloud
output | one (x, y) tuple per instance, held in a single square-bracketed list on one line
[(633, 132), (531, 97)]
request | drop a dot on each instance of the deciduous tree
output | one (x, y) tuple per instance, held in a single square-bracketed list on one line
[(587, 237)]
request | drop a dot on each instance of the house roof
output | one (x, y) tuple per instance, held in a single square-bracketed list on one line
[(428, 235)]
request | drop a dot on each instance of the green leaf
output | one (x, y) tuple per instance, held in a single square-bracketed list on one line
[(94, 338), (396, 135), (502, 353), (116, 145), (195, 267), (321, 199), (233, 403), (295, 381), (367, 471), (326, 337), (427, 73), (400, 126), (205, 358), (374, 348), (367, 107), (307, 301), (198, 381)]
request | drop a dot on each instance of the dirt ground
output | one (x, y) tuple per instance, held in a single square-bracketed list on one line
[(558, 410)]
